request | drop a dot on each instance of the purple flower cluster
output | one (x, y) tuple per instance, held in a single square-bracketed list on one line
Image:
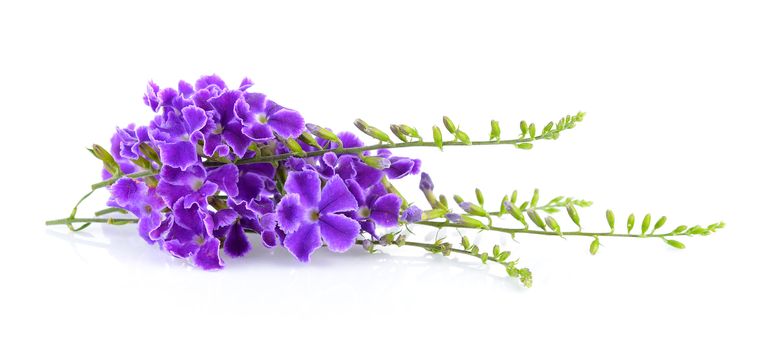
[(201, 201)]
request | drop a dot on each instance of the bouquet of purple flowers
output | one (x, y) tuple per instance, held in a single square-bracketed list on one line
[(217, 164)]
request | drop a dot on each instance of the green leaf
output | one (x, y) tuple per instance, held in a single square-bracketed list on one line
[(480, 197), (523, 128), (532, 131), (535, 198), (438, 137), (630, 222), (660, 222), (495, 132)]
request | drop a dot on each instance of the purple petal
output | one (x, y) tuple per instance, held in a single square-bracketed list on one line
[(258, 132), (181, 154), (235, 138), (366, 175), (127, 191), (208, 80), (224, 217), (224, 103), (357, 191), (188, 218), (236, 243), (147, 224), (349, 140), (400, 168), (426, 184), (290, 212), (268, 238), (226, 178), (245, 84), (338, 231), (412, 214), (386, 210), (303, 242), (192, 176), (172, 193), (287, 123), (249, 187), (336, 197), (307, 184), (195, 117), (161, 231), (181, 249), (370, 227), (207, 256), (185, 88)]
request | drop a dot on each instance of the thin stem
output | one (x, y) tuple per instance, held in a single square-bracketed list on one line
[(113, 179), (110, 221), (353, 150), (543, 233), (110, 210)]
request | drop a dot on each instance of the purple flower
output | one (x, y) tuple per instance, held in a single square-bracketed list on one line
[(262, 117), (375, 206), (308, 214), (412, 214), (140, 200)]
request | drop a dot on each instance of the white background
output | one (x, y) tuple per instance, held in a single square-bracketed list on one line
[(669, 88)]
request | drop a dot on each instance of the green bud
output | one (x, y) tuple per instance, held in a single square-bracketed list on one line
[(675, 244), (512, 270), (433, 214), (458, 199), (594, 246), (502, 208), (610, 220), (465, 242), (326, 134), (573, 213), (536, 219), (524, 145), (449, 125), (294, 147), (377, 162), (660, 222), (150, 153), (680, 229), (372, 131), (553, 225), (503, 256), (443, 201), (494, 134), (463, 137), (535, 198), (532, 131), (484, 257), (645, 224), (400, 241), (480, 197), (630, 222), (398, 132), (438, 137), (368, 245), (580, 116), (308, 139), (523, 128), (525, 277), (474, 249), (514, 196), (514, 211), (495, 250), (548, 128), (108, 162), (409, 131), (471, 222)]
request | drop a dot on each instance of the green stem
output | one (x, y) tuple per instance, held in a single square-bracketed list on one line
[(110, 221), (113, 179), (110, 210), (543, 233), (353, 150)]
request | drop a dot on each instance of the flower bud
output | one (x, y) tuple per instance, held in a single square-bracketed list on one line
[(594, 246), (473, 209), (463, 137), (409, 131), (324, 133), (535, 198), (573, 213), (524, 145), (659, 223), (372, 131), (398, 132), (458, 199), (309, 140), (294, 147), (514, 211), (523, 128), (443, 201), (449, 125), (438, 137), (412, 214), (532, 131), (480, 197), (494, 134), (150, 153), (367, 245), (377, 162), (108, 162), (514, 197), (433, 214), (645, 224), (553, 225), (675, 244), (610, 220), (630, 222), (536, 219)]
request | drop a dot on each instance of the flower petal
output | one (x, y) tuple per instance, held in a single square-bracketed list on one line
[(235, 138), (290, 212), (307, 184), (236, 243), (336, 197), (303, 242), (180, 154), (338, 231), (287, 123), (207, 256), (226, 178), (386, 210)]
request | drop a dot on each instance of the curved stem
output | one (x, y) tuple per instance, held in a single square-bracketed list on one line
[(111, 221), (113, 179)]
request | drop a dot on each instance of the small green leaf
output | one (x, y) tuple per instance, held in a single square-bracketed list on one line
[(535, 198), (660, 222), (532, 131), (630, 222), (680, 229), (594, 247), (495, 132), (523, 128), (484, 257), (438, 137)]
